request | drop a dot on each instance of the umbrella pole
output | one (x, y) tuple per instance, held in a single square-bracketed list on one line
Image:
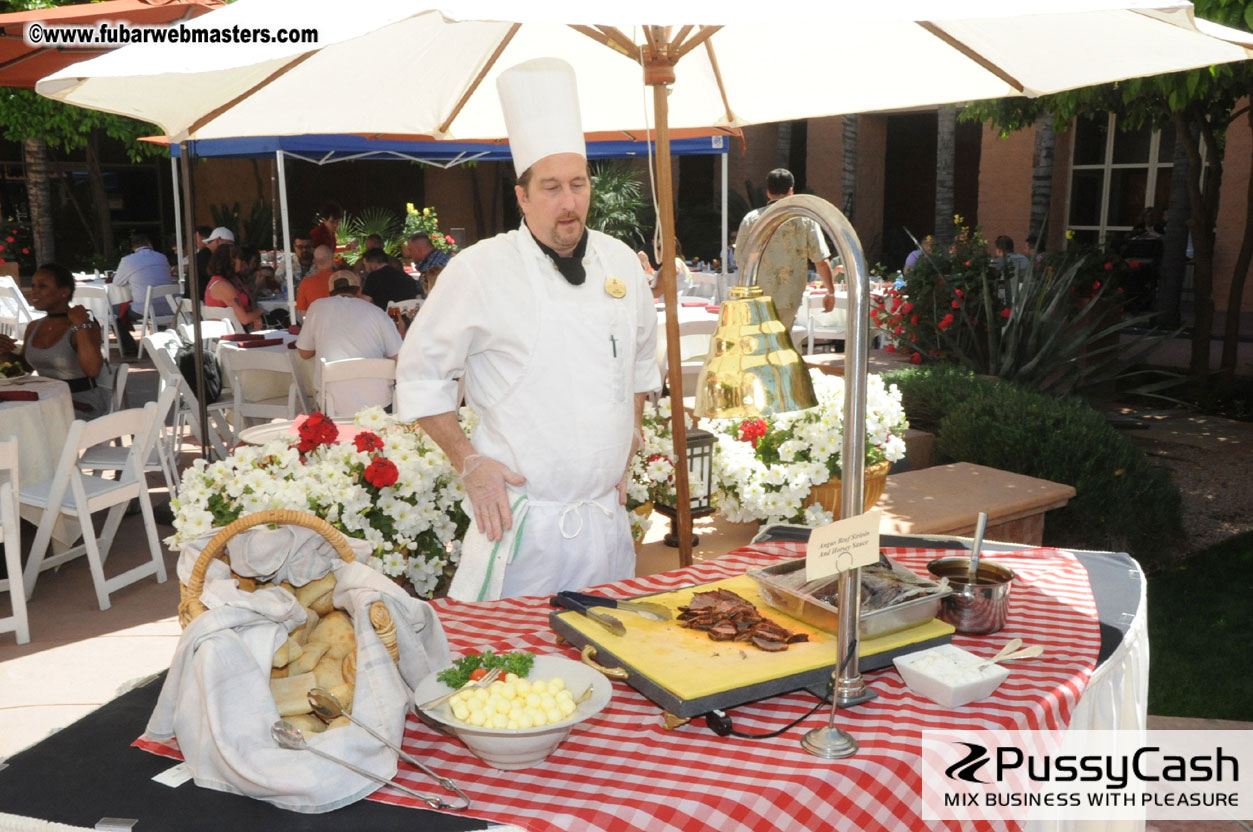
[(665, 200), (193, 291)]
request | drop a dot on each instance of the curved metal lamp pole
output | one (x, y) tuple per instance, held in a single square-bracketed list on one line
[(752, 370)]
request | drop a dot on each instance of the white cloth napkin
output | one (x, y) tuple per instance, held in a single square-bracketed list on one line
[(284, 553), (216, 700)]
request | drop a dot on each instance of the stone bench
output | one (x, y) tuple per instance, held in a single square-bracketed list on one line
[(946, 499)]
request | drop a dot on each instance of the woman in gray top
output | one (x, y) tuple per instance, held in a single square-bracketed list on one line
[(65, 344)]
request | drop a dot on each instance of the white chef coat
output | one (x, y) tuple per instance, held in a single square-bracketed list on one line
[(552, 370)]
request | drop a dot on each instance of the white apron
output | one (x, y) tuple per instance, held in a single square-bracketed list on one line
[(566, 425)]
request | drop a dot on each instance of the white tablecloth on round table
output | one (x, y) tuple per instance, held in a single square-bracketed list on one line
[(40, 426)]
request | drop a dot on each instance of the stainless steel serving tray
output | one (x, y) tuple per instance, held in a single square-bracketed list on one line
[(824, 616)]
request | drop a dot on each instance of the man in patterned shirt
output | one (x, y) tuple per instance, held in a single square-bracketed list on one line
[(427, 259), (784, 265)]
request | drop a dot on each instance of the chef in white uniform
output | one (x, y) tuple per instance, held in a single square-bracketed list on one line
[(553, 328)]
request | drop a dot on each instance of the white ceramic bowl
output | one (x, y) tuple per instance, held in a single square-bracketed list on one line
[(949, 675), (523, 747)]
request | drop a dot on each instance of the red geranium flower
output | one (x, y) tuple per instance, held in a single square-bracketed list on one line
[(967, 263), (957, 304), (915, 359), (907, 308), (1096, 284), (753, 429), (1109, 267), (25, 251), (889, 348), (381, 472), (9, 239), (317, 430), (959, 293), (1005, 313), (367, 442), (448, 239), (900, 330), (913, 319)]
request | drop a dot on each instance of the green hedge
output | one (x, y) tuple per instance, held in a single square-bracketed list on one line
[(1123, 501)]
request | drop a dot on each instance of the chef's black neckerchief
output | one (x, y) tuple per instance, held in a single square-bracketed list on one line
[(571, 267)]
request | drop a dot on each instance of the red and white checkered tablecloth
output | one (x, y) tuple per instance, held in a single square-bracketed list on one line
[(624, 771)]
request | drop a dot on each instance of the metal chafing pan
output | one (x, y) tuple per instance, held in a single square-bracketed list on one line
[(825, 616)]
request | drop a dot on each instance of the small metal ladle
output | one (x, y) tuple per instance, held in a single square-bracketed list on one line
[(289, 736), (328, 707)]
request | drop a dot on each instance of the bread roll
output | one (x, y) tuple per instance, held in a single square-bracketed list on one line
[(336, 630), (315, 589), (328, 673), (301, 633), (308, 659), (291, 695), (286, 654), (344, 693)]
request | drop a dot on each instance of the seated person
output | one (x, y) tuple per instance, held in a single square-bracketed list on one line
[(427, 260), (141, 270), (225, 289), (316, 286), (385, 283), (345, 325), (65, 344)]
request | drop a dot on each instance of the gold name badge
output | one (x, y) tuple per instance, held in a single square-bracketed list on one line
[(615, 287)]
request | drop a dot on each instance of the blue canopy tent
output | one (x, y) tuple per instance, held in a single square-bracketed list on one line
[(327, 149)]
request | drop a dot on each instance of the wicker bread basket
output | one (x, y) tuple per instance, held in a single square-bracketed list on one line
[(190, 605)]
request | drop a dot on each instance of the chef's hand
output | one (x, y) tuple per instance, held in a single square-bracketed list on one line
[(485, 480), (828, 301), (636, 441)]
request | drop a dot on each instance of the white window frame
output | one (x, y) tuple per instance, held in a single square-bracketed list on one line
[(1107, 167)]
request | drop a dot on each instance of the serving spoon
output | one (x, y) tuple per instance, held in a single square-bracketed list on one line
[(289, 736), (328, 707)]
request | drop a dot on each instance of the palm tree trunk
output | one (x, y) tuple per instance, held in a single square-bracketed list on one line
[(783, 144), (848, 171), (1175, 244), (945, 162), (1199, 224), (1042, 177), (99, 197), (39, 192)]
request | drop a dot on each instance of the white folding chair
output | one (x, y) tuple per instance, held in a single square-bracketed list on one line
[(183, 311), (11, 536), (78, 495), (808, 327), (15, 311), (703, 285), (119, 386), (221, 313), (163, 346), (161, 458), (96, 300), (209, 330), (153, 315), (268, 361), (694, 338), (351, 369)]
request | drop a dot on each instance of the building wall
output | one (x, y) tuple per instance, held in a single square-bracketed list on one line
[(1005, 185), (1232, 215)]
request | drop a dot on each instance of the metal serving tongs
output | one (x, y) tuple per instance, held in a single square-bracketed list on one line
[(327, 707)]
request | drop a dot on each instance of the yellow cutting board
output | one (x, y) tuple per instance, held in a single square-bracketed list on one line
[(690, 664)]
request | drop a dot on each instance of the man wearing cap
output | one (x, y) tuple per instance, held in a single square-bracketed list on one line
[(345, 325), (552, 329)]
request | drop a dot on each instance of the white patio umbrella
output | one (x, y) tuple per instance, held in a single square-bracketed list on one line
[(384, 66)]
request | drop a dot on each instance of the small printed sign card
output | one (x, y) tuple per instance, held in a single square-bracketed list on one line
[(842, 545)]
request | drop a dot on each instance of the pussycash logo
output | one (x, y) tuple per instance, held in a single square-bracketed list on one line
[(1146, 765)]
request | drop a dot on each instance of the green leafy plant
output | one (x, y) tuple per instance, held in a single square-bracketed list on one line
[(373, 220), (426, 221), (618, 205), (1055, 326), (256, 228)]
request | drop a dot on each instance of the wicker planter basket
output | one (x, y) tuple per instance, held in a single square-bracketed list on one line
[(828, 494), (191, 606)]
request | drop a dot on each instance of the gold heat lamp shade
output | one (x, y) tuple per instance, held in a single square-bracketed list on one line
[(752, 369)]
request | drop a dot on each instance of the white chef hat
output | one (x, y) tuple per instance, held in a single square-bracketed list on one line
[(540, 102)]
